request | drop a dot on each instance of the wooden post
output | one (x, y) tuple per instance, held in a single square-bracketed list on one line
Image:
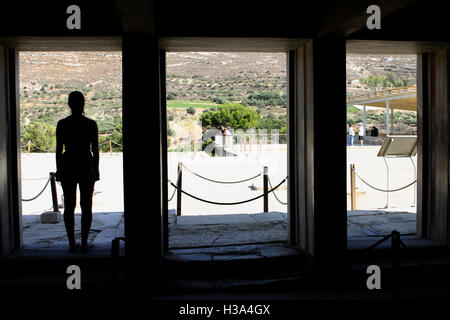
[(179, 184), (353, 186), (54, 195), (29, 145), (110, 148), (266, 188)]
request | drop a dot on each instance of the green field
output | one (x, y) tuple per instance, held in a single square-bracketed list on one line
[(184, 104)]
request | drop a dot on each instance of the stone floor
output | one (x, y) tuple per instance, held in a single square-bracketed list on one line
[(219, 230), (252, 251), (215, 230), (380, 222), (105, 227)]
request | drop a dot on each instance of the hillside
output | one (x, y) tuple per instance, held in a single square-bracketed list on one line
[(46, 78), (364, 73), (205, 75)]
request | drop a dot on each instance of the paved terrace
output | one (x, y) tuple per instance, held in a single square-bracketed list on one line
[(207, 225)]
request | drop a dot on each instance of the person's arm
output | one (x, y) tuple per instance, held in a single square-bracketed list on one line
[(59, 150), (95, 151)]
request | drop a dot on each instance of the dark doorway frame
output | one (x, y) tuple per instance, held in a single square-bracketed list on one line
[(294, 93), (431, 101), (11, 215)]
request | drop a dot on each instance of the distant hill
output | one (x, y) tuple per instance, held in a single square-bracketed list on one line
[(400, 66), (46, 78), (229, 75)]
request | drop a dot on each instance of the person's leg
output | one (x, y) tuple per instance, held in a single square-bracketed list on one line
[(86, 192), (70, 198), (362, 141), (351, 140)]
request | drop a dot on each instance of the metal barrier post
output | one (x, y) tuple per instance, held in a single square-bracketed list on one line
[(387, 182), (415, 179), (54, 194), (266, 188), (29, 145), (179, 183), (110, 148), (353, 186)]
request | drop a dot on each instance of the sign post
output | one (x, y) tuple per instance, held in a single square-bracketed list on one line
[(398, 147)]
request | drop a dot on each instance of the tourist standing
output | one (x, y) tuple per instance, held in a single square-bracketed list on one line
[(78, 165), (351, 134), (374, 132), (361, 134)]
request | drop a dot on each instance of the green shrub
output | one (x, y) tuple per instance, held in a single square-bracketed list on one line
[(220, 100), (233, 115), (42, 136)]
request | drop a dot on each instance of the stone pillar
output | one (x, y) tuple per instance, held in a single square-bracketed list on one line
[(330, 201), (10, 187), (142, 167), (433, 166), (317, 171)]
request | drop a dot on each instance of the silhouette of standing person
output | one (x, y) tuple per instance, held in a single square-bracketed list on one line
[(78, 136)]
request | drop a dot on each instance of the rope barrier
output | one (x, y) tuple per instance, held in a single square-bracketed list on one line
[(227, 203), (40, 148), (52, 150), (38, 193), (174, 190), (411, 253), (34, 179), (222, 182), (421, 264), (379, 242), (383, 190), (275, 195)]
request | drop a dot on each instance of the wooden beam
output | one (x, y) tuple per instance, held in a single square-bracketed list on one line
[(393, 47), (74, 43), (229, 44)]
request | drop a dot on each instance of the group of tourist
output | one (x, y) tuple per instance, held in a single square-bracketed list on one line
[(361, 131)]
